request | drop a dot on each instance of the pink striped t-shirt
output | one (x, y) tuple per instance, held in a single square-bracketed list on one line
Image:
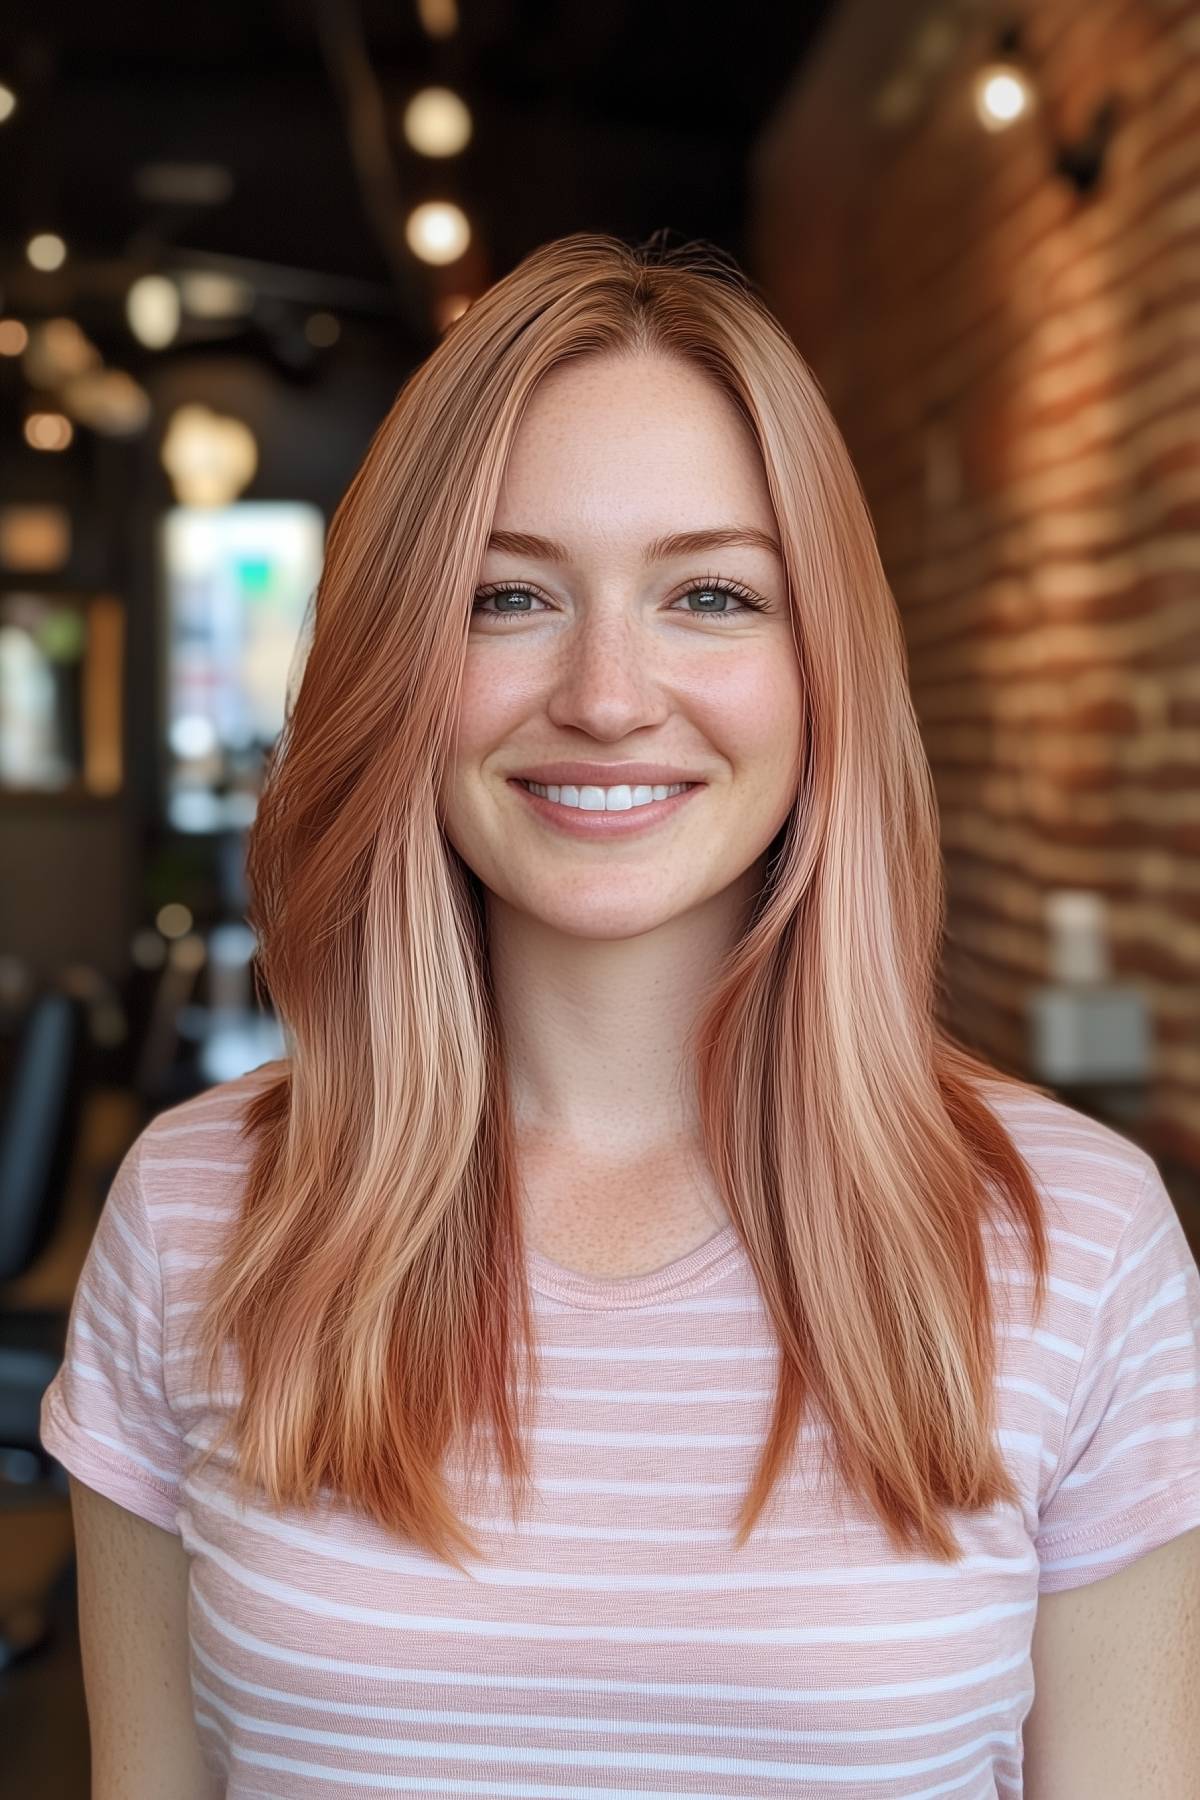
[(615, 1643)]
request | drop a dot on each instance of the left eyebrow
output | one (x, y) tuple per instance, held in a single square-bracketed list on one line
[(679, 543)]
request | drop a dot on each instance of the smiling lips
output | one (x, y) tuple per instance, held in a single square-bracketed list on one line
[(606, 799), (588, 812)]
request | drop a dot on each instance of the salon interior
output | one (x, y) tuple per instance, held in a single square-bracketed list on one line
[(227, 234)]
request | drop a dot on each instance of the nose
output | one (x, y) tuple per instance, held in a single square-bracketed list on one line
[(605, 678)]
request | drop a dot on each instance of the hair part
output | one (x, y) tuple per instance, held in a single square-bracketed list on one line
[(374, 1285)]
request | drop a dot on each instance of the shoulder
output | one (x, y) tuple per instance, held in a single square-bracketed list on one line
[(192, 1159), (1090, 1177), (212, 1119), (1114, 1356), (1102, 1204)]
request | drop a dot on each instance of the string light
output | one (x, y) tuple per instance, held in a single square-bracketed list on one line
[(46, 251), (437, 231), (48, 431)]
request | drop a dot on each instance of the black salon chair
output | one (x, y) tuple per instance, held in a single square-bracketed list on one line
[(40, 1114)]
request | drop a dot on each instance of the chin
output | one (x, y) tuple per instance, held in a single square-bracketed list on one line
[(612, 918)]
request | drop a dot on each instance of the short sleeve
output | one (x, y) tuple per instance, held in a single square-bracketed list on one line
[(1128, 1477), (105, 1416)]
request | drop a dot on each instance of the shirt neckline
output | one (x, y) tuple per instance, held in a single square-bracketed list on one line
[(600, 1292)]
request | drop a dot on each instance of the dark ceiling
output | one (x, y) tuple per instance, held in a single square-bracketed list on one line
[(588, 114)]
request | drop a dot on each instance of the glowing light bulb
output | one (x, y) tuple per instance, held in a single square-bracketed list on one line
[(437, 231), (437, 122), (1002, 95), (46, 251)]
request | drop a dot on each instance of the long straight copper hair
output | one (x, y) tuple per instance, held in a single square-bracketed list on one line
[(372, 1290)]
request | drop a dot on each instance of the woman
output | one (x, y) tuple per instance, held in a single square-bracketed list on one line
[(596, 880)]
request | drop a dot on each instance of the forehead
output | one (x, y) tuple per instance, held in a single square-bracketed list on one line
[(611, 449)]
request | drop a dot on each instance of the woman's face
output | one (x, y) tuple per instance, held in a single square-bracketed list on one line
[(603, 656)]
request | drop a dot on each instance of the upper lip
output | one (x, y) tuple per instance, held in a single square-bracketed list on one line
[(605, 774)]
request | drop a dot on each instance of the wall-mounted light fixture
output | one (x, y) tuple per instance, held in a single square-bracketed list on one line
[(1006, 90)]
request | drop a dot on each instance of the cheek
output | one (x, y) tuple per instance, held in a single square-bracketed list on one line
[(752, 710), (489, 710), (493, 703)]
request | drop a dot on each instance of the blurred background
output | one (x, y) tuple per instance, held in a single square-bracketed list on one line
[(227, 234)]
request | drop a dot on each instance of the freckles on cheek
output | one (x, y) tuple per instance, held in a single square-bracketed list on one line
[(748, 705), (493, 702)]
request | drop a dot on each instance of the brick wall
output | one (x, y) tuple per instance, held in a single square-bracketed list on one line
[(1016, 369)]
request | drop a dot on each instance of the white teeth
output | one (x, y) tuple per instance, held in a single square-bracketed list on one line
[(614, 799)]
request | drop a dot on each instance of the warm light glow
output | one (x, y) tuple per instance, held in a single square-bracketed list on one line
[(46, 251), (210, 458), (322, 329), (103, 710), (13, 337), (107, 400), (1002, 95), (439, 18), (70, 346), (174, 919), (48, 431), (437, 231), (208, 294), (437, 122), (58, 349), (152, 309), (187, 954), (34, 538), (8, 102), (147, 950), (448, 307), (897, 101)]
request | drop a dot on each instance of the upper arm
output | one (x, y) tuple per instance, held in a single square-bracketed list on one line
[(1116, 1669), (133, 1583)]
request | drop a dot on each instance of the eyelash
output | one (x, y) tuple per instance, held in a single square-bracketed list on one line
[(708, 584)]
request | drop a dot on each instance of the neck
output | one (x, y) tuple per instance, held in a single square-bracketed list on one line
[(595, 1029)]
